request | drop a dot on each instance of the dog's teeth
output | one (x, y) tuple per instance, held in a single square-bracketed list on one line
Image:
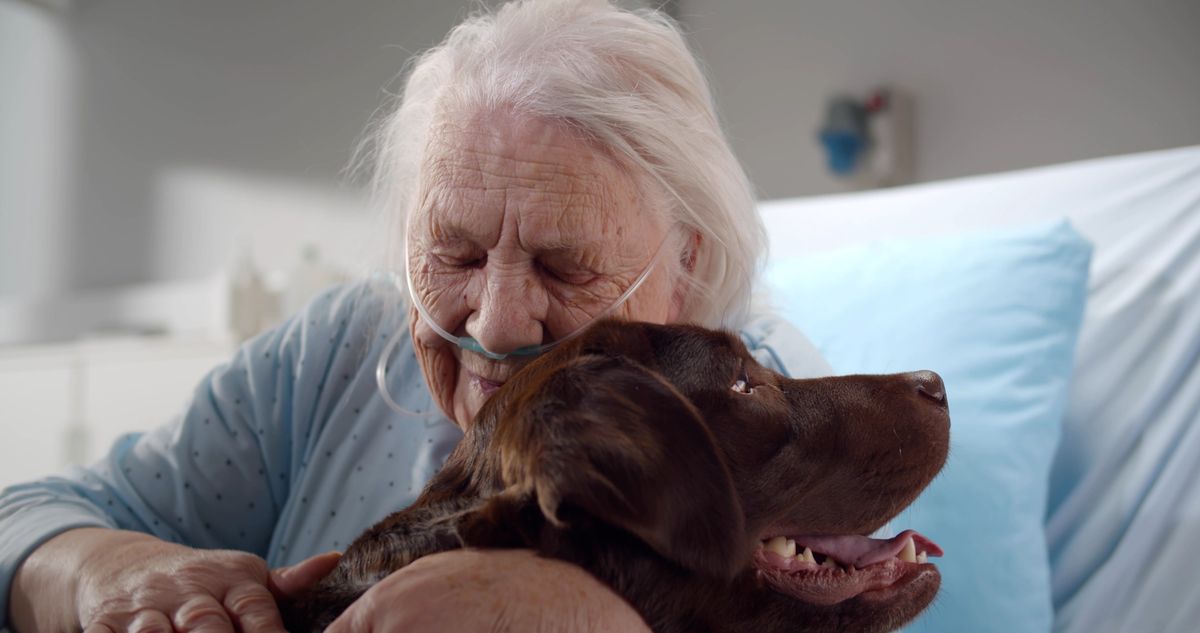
[(922, 558), (783, 546), (829, 563), (807, 556), (909, 553)]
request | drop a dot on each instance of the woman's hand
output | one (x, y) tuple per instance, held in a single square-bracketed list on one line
[(106, 581), (466, 591)]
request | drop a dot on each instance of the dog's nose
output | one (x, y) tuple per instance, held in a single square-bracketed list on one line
[(930, 386)]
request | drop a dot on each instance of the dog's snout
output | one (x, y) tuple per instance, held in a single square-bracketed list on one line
[(930, 386)]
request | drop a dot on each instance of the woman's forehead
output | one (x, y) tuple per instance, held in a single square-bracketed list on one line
[(539, 174), (506, 150)]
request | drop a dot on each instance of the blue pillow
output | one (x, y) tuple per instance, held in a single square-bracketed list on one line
[(997, 315)]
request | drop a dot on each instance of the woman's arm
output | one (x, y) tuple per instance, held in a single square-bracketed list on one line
[(215, 478), (117, 576), (464, 591), (125, 578)]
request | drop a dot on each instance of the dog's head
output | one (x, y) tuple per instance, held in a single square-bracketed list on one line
[(730, 471)]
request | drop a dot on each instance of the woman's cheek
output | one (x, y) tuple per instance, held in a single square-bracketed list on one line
[(437, 362), (653, 301), (443, 292), (467, 399)]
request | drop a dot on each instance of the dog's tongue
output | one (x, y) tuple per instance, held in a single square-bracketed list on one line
[(861, 551)]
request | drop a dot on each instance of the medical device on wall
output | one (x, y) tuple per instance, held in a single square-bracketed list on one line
[(868, 142)]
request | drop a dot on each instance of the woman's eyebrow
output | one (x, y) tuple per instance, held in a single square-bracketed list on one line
[(552, 247), (449, 227), (452, 229)]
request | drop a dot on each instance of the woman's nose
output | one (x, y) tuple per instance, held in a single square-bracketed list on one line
[(510, 314)]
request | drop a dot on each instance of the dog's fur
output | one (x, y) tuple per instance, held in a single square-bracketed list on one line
[(626, 451)]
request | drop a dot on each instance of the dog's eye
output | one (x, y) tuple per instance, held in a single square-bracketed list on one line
[(742, 385)]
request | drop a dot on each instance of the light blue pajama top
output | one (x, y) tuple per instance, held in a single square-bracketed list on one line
[(288, 450)]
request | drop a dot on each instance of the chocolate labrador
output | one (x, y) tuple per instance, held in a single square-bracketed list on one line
[(711, 493)]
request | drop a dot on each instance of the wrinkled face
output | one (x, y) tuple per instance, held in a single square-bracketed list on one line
[(523, 232)]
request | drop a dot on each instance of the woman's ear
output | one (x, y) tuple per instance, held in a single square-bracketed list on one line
[(688, 257), (691, 251), (612, 440)]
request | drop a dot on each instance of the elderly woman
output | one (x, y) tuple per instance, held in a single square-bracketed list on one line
[(548, 163)]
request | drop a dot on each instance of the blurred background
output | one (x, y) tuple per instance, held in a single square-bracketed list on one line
[(172, 174)]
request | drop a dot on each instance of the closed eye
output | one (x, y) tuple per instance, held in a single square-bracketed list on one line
[(568, 275), (464, 262), (458, 254)]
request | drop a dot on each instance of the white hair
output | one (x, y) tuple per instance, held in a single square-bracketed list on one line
[(624, 79)]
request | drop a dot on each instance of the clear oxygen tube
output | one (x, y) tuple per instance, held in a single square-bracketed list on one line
[(472, 345)]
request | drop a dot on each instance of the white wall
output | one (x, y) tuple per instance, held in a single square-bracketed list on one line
[(998, 84), (37, 126), (150, 103), (141, 139)]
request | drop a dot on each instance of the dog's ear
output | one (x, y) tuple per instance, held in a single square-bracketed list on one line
[(610, 439)]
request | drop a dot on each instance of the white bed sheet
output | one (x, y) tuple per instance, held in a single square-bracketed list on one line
[(1123, 524)]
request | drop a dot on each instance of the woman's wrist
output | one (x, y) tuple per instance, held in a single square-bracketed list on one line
[(42, 597), (598, 609), (45, 589)]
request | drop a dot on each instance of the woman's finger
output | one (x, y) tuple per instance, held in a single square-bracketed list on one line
[(253, 609), (286, 582), (98, 627), (345, 623), (202, 614), (150, 621)]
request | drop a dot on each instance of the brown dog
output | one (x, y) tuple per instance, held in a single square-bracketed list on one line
[(677, 470)]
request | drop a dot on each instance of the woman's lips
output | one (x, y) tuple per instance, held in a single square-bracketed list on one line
[(487, 376), (485, 386)]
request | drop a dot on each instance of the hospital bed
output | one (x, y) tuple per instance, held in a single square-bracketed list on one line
[(1117, 538)]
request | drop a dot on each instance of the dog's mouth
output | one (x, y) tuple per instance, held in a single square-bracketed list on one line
[(825, 570)]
